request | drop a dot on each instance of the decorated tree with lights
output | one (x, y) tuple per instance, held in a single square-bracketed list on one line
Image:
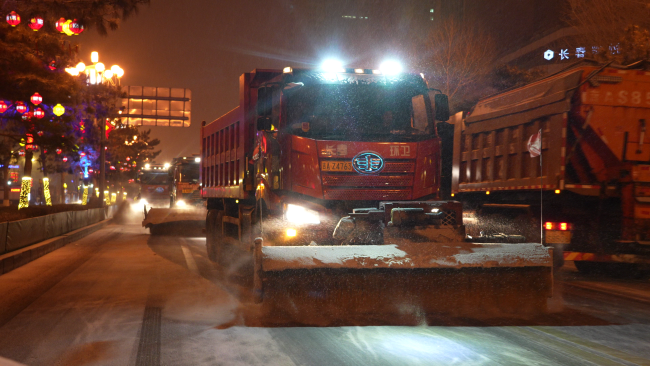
[(128, 150), (35, 49)]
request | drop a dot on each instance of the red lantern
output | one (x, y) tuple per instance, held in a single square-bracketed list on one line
[(65, 158), (36, 99), (36, 23), (52, 65), (13, 19), (27, 115), (82, 154), (39, 113), (21, 107), (30, 141), (40, 133), (58, 151), (76, 27), (3, 106), (59, 25)]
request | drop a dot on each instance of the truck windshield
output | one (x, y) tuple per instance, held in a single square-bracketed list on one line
[(190, 173), (352, 111), (154, 178)]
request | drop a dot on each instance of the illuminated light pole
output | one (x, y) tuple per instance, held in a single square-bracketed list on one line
[(84, 200), (46, 191), (25, 188)]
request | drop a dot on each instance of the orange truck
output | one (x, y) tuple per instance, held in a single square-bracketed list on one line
[(333, 175), (593, 186)]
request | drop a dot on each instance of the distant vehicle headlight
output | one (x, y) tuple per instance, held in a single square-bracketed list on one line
[(181, 203), (300, 215), (144, 202)]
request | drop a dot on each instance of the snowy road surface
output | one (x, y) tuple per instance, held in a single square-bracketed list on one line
[(123, 297)]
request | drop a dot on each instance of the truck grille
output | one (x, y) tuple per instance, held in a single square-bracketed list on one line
[(395, 182), (368, 181), (367, 194)]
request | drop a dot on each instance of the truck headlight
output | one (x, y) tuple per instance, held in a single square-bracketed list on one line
[(300, 215)]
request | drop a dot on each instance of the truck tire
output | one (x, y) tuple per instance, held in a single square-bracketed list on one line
[(213, 238)]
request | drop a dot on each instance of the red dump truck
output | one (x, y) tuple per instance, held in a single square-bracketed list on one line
[(593, 186), (329, 179)]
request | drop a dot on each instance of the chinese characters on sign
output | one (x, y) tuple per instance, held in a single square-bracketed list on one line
[(580, 52), (395, 150)]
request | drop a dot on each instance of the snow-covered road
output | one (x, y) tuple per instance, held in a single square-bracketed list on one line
[(123, 297)]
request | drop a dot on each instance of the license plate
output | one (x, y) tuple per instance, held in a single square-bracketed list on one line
[(336, 166), (188, 190), (558, 237)]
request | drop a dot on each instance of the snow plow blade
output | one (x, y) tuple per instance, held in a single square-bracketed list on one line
[(164, 220), (415, 280)]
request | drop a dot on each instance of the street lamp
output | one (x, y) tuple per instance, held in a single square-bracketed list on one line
[(97, 73)]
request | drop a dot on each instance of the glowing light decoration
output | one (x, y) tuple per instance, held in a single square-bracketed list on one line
[(52, 65), (46, 192), (59, 25), (25, 187), (58, 110), (66, 28), (113, 198), (30, 142), (21, 107), (36, 99), (36, 23), (39, 113), (13, 19), (3, 106), (76, 28), (107, 198), (84, 200), (65, 159)]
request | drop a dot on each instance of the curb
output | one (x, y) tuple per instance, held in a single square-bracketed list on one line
[(20, 257)]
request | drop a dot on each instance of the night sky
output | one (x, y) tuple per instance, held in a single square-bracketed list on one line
[(205, 46)]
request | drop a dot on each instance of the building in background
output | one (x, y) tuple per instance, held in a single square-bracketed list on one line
[(152, 106)]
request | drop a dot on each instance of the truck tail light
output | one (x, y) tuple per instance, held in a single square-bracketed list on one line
[(562, 226)]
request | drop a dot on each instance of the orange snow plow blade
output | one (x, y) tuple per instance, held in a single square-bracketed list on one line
[(169, 220), (408, 281)]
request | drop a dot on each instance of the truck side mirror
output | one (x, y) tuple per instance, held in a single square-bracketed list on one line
[(264, 123), (441, 104)]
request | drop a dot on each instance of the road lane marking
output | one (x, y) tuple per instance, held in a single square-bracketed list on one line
[(191, 263)]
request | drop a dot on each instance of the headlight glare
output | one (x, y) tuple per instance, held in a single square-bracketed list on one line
[(300, 215)]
